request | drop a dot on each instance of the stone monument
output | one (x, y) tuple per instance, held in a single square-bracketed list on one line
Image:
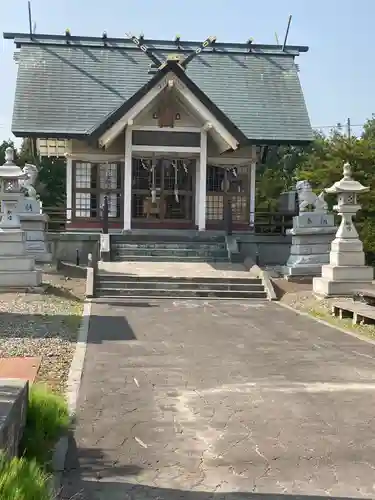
[(33, 220), (312, 234), (346, 270), (16, 268)]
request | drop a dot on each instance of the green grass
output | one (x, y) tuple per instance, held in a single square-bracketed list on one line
[(347, 324), (21, 479), (47, 420)]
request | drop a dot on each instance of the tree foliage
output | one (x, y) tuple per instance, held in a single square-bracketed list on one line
[(51, 182), (321, 163)]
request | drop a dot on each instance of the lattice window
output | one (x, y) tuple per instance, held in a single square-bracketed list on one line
[(215, 207), (240, 211), (108, 178), (83, 205), (83, 175), (93, 181), (52, 147), (215, 178)]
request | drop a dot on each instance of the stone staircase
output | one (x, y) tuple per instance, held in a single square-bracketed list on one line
[(112, 285), (175, 265), (169, 248)]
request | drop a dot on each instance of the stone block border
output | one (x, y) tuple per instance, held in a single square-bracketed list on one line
[(73, 386)]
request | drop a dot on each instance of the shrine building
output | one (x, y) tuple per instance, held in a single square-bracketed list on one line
[(169, 130)]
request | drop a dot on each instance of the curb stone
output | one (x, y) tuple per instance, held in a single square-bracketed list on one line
[(73, 385)]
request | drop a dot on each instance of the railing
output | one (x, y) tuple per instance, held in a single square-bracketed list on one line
[(273, 222), (265, 222), (59, 222), (56, 218)]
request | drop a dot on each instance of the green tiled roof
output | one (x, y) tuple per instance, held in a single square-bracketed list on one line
[(68, 90)]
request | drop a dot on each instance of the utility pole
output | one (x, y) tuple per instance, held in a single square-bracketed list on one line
[(349, 128)]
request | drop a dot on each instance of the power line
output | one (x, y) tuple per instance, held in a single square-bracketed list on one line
[(338, 125)]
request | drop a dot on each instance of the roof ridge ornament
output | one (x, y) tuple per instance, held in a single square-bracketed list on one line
[(173, 57), (144, 48), (209, 41)]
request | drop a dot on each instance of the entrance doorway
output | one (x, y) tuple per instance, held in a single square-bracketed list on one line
[(163, 192)]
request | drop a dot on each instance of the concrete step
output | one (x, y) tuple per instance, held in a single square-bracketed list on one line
[(180, 285), (167, 258), (161, 252), (120, 277), (178, 293), (164, 237), (141, 299), (172, 246)]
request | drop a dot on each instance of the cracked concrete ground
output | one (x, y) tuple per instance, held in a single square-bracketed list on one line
[(221, 400)]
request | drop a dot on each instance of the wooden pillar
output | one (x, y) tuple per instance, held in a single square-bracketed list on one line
[(196, 192), (128, 179), (202, 182), (69, 189), (253, 166)]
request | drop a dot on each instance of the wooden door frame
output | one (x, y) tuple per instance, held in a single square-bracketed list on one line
[(164, 222)]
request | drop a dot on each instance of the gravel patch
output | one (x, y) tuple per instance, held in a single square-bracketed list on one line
[(44, 325)]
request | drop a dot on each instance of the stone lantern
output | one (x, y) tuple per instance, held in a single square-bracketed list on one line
[(16, 268), (346, 270), (10, 191)]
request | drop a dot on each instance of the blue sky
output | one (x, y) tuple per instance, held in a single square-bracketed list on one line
[(337, 74)]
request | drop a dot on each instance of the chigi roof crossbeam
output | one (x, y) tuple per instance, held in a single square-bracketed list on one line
[(177, 58), (139, 42)]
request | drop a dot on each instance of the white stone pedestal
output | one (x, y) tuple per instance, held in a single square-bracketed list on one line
[(34, 222), (312, 234), (346, 270), (16, 268)]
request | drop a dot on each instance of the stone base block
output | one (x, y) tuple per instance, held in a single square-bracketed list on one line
[(20, 278), (353, 245), (11, 236), (306, 249), (307, 260), (314, 239), (347, 259), (327, 288), (40, 257), (302, 270), (12, 247), (347, 273), (8, 263), (38, 250), (313, 219), (13, 408), (312, 231)]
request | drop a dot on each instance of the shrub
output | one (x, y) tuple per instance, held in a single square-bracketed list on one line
[(21, 479), (47, 420)]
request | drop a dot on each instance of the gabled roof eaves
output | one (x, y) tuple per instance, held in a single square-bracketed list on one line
[(180, 73), (67, 90), (97, 130)]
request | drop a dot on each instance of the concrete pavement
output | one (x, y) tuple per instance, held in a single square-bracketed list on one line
[(221, 400)]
